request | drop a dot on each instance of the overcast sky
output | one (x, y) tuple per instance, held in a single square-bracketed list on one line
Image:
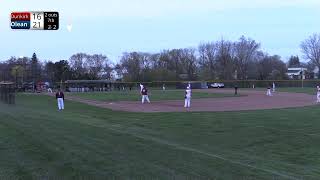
[(111, 27)]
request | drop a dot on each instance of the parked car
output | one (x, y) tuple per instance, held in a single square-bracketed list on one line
[(216, 85)]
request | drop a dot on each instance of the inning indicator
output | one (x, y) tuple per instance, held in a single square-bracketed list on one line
[(35, 20)]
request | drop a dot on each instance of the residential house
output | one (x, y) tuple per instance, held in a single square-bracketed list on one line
[(297, 73)]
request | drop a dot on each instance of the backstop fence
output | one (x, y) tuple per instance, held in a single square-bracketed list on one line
[(7, 93)]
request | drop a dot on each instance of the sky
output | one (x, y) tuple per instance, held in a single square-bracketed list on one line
[(111, 27)]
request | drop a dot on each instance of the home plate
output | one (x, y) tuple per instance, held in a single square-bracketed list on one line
[(110, 103)]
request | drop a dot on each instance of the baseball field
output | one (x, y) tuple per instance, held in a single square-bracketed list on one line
[(105, 137)]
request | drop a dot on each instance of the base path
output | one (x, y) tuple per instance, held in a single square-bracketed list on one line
[(253, 100)]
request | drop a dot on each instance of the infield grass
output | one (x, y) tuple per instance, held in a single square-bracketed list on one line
[(306, 90)]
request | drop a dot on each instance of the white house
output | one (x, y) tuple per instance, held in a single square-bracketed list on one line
[(297, 73)]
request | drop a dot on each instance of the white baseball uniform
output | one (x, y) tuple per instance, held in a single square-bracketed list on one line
[(187, 100), (273, 87), (60, 99), (269, 92)]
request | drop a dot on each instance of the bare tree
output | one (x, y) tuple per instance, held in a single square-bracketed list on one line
[(132, 65), (207, 60), (77, 63), (225, 57), (311, 49), (245, 51), (95, 65), (271, 67), (189, 63)]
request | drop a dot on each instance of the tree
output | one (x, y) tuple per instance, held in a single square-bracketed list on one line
[(94, 65), (119, 71), (173, 61), (189, 63), (35, 68), (107, 71), (311, 50), (161, 67), (49, 71), (77, 64), (207, 60), (62, 71), (225, 57), (131, 64), (18, 71), (294, 62), (244, 51), (169, 64), (180, 62), (271, 67)]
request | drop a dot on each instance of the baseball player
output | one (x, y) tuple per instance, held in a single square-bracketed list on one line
[(144, 94), (189, 85), (318, 94), (269, 91), (60, 99), (273, 87), (187, 98), (49, 90)]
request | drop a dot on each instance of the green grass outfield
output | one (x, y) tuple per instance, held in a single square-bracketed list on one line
[(306, 90), (154, 95), (86, 142)]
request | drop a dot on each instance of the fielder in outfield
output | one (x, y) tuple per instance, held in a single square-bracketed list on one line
[(60, 99)]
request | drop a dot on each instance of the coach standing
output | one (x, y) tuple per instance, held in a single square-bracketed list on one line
[(60, 99)]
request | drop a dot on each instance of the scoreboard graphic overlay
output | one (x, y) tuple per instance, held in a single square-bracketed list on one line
[(35, 20)]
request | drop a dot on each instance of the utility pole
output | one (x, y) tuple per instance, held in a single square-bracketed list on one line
[(302, 77)]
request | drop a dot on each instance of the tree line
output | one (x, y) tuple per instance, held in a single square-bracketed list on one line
[(218, 60)]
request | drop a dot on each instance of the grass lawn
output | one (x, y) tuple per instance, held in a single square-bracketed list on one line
[(86, 142), (154, 95), (306, 90)]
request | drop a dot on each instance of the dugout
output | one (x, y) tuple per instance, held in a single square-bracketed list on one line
[(7, 92), (97, 85), (88, 85)]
